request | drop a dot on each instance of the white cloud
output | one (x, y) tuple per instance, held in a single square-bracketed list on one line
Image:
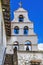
[(40, 46)]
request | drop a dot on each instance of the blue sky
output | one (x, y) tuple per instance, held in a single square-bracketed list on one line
[(35, 13)]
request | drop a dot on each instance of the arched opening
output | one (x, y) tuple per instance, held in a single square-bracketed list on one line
[(26, 30), (21, 18), (28, 46), (15, 45), (15, 49), (16, 30)]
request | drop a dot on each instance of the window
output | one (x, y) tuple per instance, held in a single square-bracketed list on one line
[(25, 30), (16, 30), (21, 18)]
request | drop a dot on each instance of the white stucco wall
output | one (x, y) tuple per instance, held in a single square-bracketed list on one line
[(23, 12), (23, 39), (9, 49), (21, 27)]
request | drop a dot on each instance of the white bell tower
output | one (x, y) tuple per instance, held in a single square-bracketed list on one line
[(22, 32), (22, 29)]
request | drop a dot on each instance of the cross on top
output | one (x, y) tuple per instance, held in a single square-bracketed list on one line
[(20, 4)]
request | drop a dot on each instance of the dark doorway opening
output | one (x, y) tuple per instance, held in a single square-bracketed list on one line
[(15, 49)]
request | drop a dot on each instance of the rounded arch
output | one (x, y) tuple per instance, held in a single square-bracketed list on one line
[(28, 45), (28, 42), (16, 43), (25, 29), (21, 15), (16, 30), (21, 18), (16, 27)]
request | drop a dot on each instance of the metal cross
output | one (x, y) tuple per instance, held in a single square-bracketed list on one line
[(20, 4)]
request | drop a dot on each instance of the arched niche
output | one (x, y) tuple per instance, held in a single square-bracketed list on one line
[(16, 30), (15, 45), (28, 45), (25, 30), (21, 18)]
